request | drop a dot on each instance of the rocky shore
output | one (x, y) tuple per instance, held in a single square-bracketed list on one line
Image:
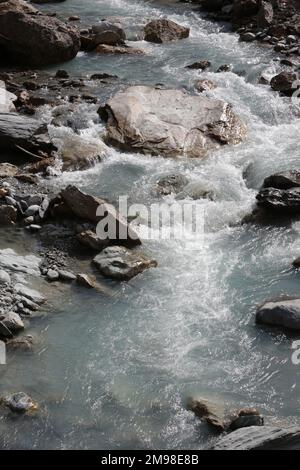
[(140, 119)]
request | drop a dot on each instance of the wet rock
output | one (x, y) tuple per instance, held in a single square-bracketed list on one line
[(246, 418), (21, 343), (19, 403), (209, 412), (171, 184), (12, 321), (78, 153), (205, 85), (224, 68), (94, 209), (107, 33), (33, 39), (260, 438), (284, 180), (85, 281), (103, 76), (170, 122), (202, 65), (8, 215), (248, 37), (106, 49), (89, 239), (4, 331), (284, 202), (163, 30), (119, 263), (284, 82), (296, 263), (281, 313), (197, 190)]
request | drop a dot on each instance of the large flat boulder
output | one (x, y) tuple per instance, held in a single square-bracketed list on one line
[(261, 438), (30, 38), (23, 131), (172, 123), (282, 313)]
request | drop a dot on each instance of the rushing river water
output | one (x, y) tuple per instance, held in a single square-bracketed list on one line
[(115, 372)]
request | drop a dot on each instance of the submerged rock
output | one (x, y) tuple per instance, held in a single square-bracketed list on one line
[(119, 263), (170, 122), (33, 39), (171, 184), (282, 313), (211, 413), (260, 438), (163, 30), (19, 403)]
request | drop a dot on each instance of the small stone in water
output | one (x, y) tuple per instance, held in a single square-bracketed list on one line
[(19, 403)]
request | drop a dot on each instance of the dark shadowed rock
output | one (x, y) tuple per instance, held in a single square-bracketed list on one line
[(170, 122), (205, 85), (171, 184), (265, 14), (284, 82), (260, 438), (282, 313), (284, 180), (119, 263), (33, 39), (164, 30), (281, 201)]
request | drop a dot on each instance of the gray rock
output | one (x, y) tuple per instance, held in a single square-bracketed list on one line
[(32, 210), (6, 99), (170, 122), (19, 403), (211, 413), (10, 201), (23, 131), (282, 313), (4, 277), (4, 331), (66, 276), (171, 184), (31, 294), (52, 275), (260, 438), (85, 281), (265, 14), (11, 261), (119, 263), (284, 82), (8, 170), (12, 321)]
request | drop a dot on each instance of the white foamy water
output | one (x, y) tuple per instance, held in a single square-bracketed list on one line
[(116, 372)]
